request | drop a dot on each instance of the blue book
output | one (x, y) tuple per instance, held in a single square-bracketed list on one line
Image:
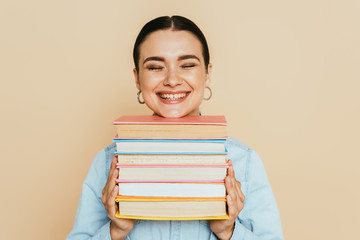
[(170, 146)]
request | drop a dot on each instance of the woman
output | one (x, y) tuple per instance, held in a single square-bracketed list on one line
[(172, 71)]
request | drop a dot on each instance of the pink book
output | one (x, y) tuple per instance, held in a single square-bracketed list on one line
[(157, 120), (130, 165), (169, 181)]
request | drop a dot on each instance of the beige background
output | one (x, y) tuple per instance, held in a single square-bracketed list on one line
[(286, 75)]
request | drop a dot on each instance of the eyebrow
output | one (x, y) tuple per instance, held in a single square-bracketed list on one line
[(161, 59), (184, 57)]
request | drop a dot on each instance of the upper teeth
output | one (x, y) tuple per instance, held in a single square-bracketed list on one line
[(173, 96)]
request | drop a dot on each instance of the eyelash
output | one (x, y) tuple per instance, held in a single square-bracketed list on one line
[(154, 68), (151, 68), (188, 66)]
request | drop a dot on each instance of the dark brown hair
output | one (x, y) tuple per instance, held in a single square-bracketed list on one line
[(175, 23)]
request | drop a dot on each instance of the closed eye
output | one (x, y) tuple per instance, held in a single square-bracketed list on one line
[(153, 68), (188, 66)]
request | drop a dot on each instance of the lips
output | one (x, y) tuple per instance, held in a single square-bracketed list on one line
[(172, 97)]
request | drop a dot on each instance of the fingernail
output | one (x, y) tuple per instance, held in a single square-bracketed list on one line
[(228, 198), (228, 180)]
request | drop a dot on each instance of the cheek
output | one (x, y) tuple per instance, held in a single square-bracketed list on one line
[(149, 82), (200, 95), (197, 82)]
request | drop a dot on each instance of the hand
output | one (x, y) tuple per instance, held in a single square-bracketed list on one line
[(119, 228), (223, 229)]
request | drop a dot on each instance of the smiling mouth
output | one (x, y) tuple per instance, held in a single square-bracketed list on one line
[(173, 97)]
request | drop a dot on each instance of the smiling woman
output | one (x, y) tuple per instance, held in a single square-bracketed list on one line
[(172, 73), (172, 69), (172, 66)]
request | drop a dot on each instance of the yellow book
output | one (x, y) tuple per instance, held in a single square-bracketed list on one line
[(167, 208)]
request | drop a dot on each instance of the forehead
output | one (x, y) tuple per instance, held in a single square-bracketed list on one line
[(170, 43)]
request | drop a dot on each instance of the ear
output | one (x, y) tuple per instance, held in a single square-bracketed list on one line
[(137, 81), (208, 75)]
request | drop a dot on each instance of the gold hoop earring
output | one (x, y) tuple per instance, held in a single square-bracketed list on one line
[(138, 97), (208, 98)]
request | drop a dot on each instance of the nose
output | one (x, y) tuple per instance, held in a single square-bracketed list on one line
[(172, 78)]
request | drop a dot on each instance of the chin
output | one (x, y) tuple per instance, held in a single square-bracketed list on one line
[(172, 114)]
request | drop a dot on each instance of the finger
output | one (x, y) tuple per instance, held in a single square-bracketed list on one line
[(242, 196), (231, 175), (116, 203), (230, 171), (113, 165), (230, 190), (111, 202), (237, 185), (231, 208), (112, 168), (239, 196), (229, 185), (241, 203), (108, 195), (237, 193), (112, 181)]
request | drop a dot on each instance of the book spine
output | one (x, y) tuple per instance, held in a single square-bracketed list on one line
[(172, 165), (170, 153), (167, 199), (169, 149), (117, 138), (118, 215), (166, 181), (215, 140)]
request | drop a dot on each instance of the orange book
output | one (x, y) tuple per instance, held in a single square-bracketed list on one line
[(156, 127)]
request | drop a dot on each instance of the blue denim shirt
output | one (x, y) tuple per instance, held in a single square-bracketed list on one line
[(259, 218)]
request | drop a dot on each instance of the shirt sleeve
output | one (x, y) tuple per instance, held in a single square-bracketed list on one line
[(259, 219), (91, 221)]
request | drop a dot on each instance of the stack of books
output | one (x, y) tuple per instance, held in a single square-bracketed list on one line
[(171, 168)]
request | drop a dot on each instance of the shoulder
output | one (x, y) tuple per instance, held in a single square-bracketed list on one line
[(237, 149), (234, 144), (100, 167), (242, 157), (104, 157)]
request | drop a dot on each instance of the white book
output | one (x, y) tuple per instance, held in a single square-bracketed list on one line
[(188, 173), (171, 158), (172, 189), (170, 146)]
